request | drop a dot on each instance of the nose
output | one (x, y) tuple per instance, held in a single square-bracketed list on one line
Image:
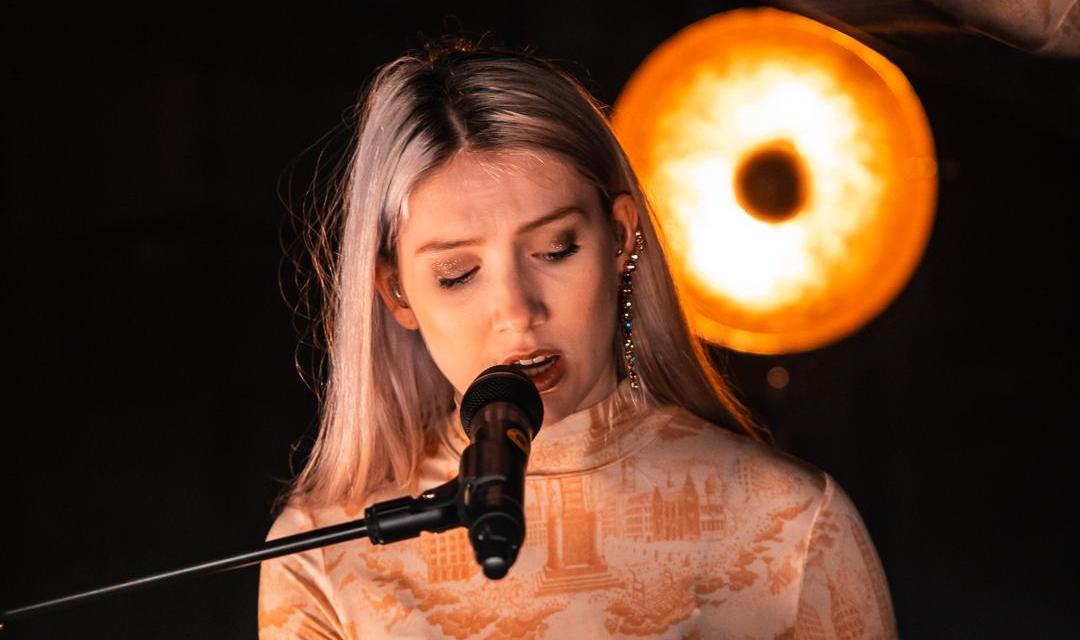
[(517, 303)]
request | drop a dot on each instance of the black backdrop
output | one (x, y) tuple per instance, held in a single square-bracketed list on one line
[(154, 400)]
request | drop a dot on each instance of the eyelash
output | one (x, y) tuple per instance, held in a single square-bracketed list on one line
[(558, 256), (450, 283), (553, 256)]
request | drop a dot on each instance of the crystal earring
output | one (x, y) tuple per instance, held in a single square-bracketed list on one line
[(626, 316)]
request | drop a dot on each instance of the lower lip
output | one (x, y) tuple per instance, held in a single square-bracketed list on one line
[(547, 380)]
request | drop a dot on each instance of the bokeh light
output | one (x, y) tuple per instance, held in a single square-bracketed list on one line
[(792, 171)]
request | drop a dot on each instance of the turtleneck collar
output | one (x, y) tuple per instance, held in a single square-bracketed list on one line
[(588, 439)]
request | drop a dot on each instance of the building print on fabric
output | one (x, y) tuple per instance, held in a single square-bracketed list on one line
[(564, 554), (632, 512), (668, 512), (685, 531), (571, 530), (649, 521), (448, 556)]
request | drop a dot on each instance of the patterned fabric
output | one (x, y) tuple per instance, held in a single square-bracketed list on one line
[(642, 521)]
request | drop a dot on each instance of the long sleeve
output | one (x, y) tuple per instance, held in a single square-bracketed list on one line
[(295, 596), (645, 522), (844, 592)]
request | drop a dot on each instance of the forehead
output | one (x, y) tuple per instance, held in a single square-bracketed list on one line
[(486, 193)]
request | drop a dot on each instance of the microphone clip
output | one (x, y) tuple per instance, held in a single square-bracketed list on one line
[(434, 510)]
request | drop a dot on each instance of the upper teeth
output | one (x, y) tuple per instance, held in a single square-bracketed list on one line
[(535, 360)]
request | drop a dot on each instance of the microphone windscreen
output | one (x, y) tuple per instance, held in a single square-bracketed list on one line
[(502, 383)]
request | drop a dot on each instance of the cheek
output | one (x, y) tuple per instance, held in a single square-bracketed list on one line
[(589, 306), (451, 334)]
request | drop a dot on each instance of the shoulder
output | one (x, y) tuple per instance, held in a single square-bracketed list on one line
[(301, 515), (297, 595), (762, 499), (759, 483), (293, 519), (755, 467)]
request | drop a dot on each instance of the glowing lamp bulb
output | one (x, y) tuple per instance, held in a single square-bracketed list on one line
[(792, 173)]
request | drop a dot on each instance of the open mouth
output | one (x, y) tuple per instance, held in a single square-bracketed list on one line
[(545, 370), (536, 366)]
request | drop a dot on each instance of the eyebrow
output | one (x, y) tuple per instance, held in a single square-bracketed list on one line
[(557, 214)]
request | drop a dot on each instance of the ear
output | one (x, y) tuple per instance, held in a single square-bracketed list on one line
[(388, 285), (624, 219)]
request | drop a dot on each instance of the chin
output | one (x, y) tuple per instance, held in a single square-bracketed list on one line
[(555, 409)]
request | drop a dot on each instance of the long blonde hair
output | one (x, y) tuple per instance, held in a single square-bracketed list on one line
[(384, 397)]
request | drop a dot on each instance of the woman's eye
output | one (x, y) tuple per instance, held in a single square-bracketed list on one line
[(450, 283), (556, 256)]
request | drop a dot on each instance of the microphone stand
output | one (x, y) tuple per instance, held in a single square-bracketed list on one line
[(434, 510), (487, 496)]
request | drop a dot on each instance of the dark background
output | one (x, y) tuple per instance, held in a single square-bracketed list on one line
[(154, 399)]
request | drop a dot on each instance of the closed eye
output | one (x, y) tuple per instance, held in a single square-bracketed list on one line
[(450, 283), (551, 256), (556, 256), (562, 255)]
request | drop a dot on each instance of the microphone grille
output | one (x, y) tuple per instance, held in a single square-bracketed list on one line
[(502, 383)]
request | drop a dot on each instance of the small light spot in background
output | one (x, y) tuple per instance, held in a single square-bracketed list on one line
[(777, 377)]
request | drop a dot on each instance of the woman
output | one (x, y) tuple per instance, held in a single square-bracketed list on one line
[(491, 217)]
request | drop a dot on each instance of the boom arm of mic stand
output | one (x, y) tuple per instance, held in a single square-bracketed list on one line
[(434, 510)]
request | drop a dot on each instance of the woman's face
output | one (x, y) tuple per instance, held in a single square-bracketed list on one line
[(508, 258)]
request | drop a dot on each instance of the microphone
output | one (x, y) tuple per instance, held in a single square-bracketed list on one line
[(501, 413)]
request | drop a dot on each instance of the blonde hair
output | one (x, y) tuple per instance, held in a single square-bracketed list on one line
[(384, 398)]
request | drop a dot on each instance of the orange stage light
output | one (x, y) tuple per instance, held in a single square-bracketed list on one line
[(792, 171)]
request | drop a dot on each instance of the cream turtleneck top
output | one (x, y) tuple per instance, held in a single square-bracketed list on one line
[(642, 521)]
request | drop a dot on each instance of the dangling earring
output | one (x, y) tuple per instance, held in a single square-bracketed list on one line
[(626, 317)]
